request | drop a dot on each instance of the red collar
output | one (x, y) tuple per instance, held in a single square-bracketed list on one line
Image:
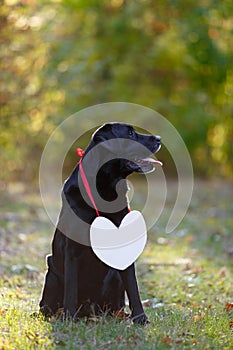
[(87, 186)]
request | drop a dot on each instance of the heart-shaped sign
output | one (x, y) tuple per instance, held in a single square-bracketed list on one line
[(120, 246)]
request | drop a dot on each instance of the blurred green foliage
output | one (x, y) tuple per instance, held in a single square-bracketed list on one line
[(60, 56)]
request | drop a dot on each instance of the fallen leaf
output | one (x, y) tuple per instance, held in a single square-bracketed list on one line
[(192, 303), (147, 303), (229, 306), (121, 314), (222, 272), (3, 312), (119, 338), (166, 340)]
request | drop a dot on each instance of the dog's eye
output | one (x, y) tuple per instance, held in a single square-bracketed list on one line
[(131, 133)]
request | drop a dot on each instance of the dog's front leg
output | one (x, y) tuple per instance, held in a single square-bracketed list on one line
[(130, 283), (70, 282)]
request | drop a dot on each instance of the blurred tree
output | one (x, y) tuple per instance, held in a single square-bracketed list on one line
[(173, 56), (23, 56)]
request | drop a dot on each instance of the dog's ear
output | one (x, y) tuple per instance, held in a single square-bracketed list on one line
[(98, 138), (101, 133)]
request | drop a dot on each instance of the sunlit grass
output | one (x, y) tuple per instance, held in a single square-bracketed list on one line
[(185, 281)]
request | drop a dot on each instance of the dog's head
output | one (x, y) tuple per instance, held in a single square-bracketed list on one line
[(135, 147)]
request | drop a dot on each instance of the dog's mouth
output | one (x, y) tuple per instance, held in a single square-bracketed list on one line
[(144, 165)]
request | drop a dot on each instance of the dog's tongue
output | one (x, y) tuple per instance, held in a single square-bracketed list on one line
[(153, 161)]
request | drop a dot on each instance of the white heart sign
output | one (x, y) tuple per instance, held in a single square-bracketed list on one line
[(120, 246)]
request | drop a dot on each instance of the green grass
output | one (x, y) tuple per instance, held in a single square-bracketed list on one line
[(185, 280)]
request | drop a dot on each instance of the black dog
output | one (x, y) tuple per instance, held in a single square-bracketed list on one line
[(77, 280)]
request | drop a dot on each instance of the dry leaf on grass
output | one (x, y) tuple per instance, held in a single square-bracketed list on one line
[(119, 338), (229, 306), (166, 340), (222, 272), (3, 312), (122, 315)]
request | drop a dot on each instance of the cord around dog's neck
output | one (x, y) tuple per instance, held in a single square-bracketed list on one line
[(81, 153), (87, 187)]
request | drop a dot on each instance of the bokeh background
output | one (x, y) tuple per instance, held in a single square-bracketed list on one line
[(174, 56), (60, 56)]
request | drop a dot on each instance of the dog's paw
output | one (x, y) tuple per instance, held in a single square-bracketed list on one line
[(141, 319)]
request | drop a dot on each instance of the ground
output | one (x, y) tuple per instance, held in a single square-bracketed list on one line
[(185, 279)]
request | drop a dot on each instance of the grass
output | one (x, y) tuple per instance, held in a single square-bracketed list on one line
[(185, 280)]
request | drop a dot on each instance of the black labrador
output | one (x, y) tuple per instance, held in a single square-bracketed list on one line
[(76, 280)]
